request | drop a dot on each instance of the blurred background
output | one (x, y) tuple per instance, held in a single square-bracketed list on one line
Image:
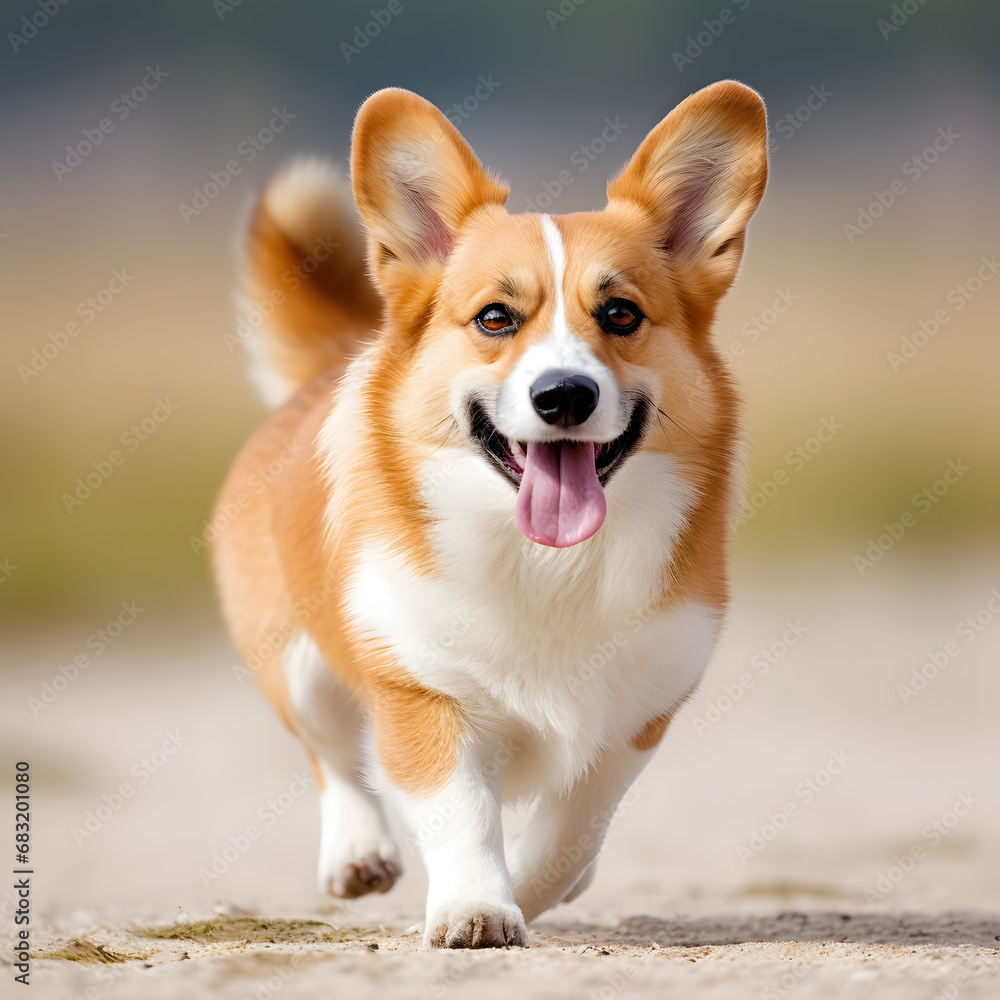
[(863, 329), (849, 110)]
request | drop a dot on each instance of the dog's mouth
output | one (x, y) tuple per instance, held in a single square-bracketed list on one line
[(560, 484)]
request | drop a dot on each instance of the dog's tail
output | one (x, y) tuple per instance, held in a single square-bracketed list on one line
[(307, 303)]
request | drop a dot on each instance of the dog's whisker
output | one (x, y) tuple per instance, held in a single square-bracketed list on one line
[(452, 431), (663, 426), (663, 413)]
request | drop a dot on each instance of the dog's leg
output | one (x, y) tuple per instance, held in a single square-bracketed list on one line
[(555, 855), (582, 883), (357, 854), (457, 827)]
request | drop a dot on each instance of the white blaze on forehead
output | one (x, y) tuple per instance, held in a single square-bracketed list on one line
[(557, 258), (560, 350)]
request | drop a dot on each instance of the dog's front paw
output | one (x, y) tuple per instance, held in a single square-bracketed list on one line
[(477, 925), (358, 868)]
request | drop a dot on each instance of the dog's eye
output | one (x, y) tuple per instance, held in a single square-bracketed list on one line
[(496, 320), (619, 316)]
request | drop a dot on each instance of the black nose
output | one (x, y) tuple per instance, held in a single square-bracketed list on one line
[(564, 398)]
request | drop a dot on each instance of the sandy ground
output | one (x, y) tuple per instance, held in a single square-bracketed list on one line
[(882, 881)]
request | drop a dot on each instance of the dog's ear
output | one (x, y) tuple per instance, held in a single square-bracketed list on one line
[(700, 175), (415, 181)]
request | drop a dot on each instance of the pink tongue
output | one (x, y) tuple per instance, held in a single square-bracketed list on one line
[(561, 500)]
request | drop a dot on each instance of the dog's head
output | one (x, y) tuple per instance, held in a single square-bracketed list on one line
[(559, 346)]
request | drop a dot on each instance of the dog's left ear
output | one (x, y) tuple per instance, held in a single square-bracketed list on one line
[(700, 175), (415, 180)]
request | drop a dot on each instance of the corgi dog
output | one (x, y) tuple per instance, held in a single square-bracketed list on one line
[(477, 554)]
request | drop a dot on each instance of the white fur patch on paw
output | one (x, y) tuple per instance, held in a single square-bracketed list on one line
[(364, 867), (477, 925)]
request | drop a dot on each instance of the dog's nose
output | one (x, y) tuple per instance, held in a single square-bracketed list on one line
[(564, 398)]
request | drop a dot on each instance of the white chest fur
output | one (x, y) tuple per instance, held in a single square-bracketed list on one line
[(555, 650)]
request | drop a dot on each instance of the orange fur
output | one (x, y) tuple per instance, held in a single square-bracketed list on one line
[(304, 266), (276, 580), (651, 734)]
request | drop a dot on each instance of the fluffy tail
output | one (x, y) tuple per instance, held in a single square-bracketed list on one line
[(306, 301)]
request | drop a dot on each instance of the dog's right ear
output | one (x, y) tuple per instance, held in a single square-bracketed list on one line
[(415, 180), (700, 175)]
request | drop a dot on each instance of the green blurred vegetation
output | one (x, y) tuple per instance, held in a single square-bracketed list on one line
[(130, 538)]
